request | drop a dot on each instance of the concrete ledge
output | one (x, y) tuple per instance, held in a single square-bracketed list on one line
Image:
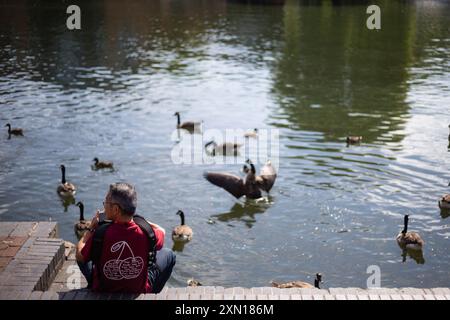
[(30, 257), (199, 293)]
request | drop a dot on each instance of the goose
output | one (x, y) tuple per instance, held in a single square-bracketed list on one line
[(14, 131), (227, 148), (65, 189), (300, 284), (102, 164), (182, 233), (188, 125), (444, 203), (82, 225), (409, 240), (252, 134), (267, 175), (449, 132), (193, 283), (249, 186), (354, 139)]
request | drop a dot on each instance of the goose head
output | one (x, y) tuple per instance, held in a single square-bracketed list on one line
[(405, 227), (95, 160), (8, 125), (81, 206), (318, 280), (252, 167), (63, 172), (181, 214)]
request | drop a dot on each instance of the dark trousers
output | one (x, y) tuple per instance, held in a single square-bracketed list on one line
[(165, 261)]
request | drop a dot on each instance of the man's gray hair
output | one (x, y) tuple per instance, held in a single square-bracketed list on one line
[(125, 196)]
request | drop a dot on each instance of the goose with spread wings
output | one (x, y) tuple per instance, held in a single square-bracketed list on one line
[(250, 186)]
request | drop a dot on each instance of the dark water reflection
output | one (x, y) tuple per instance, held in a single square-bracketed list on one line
[(245, 212), (310, 69)]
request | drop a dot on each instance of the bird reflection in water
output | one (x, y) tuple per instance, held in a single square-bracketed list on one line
[(445, 213), (246, 211), (67, 201), (178, 246), (416, 255)]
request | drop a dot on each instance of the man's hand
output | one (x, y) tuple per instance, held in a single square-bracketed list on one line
[(95, 220), (86, 236)]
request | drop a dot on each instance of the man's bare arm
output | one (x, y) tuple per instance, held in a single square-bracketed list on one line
[(155, 226)]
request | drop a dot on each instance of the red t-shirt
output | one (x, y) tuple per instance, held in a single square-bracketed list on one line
[(124, 259)]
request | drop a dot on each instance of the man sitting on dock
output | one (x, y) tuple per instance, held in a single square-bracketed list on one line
[(125, 252)]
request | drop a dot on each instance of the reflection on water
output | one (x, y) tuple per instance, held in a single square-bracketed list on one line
[(445, 213), (416, 255), (246, 211), (310, 69), (66, 202)]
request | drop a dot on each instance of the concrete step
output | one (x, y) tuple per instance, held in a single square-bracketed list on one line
[(263, 293), (34, 266)]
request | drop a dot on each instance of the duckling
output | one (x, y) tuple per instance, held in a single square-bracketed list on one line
[(409, 240), (193, 283), (253, 134), (235, 185), (188, 125), (300, 284), (102, 164), (227, 148), (82, 225), (354, 139), (182, 233), (65, 189), (14, 131)]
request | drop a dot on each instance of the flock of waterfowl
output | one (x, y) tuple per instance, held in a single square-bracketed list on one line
[(250, 186)]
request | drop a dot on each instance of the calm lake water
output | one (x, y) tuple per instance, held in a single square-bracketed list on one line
[(314, 72)]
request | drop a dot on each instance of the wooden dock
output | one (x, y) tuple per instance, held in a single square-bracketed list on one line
[(36, 265)]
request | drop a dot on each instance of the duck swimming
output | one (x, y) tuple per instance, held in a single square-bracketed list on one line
[(65, 189), (14, 131), (188, 125), (82, 225), (102, 164), (409, 240), (183, 232)]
